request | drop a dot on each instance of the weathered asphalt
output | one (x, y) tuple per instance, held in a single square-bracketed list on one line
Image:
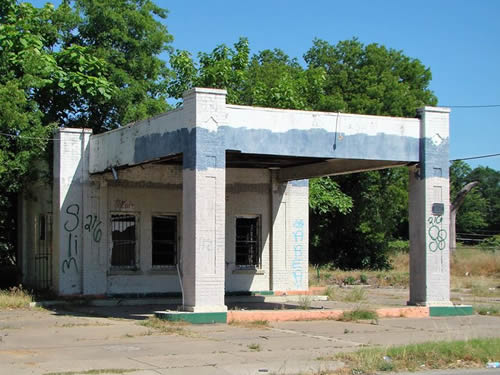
[(80, 338)]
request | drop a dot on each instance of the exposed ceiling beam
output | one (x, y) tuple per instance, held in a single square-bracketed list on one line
[(334, 167)]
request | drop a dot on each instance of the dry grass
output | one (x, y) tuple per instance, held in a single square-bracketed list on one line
[(469, 261), (164, 327), (358, 314), (254, 324), (15, 298), (476, 271), (425, 356), (104, 371), (471, 268)]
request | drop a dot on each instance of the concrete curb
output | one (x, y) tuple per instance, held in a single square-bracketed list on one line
[(173, 300), (295, 315)]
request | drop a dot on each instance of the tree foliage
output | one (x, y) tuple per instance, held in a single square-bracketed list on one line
[(472, 215), (351, 220), (86, 63)]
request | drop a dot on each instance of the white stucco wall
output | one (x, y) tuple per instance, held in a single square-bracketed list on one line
[(247, 194), (144, 191)]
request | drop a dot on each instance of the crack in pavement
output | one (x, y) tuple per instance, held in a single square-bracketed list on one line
[(155, 368), (326, 338)]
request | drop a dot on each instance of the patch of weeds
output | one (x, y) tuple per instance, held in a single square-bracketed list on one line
[(354, 315), (165, 327), (349, 280), (95, 371), (251, 324), (363, 279), (355, 295), (15, 298), (483, 291), (86, 324), (305, 302), (330, 293), (254, 347), (488, 310), (430, 355)]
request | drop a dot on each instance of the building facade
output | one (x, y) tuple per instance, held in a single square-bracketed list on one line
[(212, 198)]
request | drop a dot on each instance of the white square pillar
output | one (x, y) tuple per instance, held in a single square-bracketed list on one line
[(429, 212), (204, 203), (70, 187), (290, 235)]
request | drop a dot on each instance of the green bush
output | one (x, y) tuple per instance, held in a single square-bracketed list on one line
[(491, 244), (399, 246)]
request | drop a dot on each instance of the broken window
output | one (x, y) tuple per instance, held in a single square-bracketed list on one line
[(124, 237), (164, 246), (247, 241)]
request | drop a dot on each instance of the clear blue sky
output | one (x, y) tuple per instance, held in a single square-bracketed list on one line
[(459, 41)]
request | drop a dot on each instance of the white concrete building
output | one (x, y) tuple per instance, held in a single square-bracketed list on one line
[(212, 198)]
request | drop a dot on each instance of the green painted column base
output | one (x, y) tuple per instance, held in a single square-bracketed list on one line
[(457, 310), (193, 317)]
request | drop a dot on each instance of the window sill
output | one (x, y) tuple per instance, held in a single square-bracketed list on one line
[(163, 271), (124, 272), (248, 271)]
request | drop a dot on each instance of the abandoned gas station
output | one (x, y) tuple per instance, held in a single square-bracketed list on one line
[(212, 198)]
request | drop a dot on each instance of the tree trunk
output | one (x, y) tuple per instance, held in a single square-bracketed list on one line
[(457, 202)]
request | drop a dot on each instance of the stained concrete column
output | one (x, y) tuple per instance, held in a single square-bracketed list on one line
[(290, 235), (204, 206), (69, 191), (429, 212)]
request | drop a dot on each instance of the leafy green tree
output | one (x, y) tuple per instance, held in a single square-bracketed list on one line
[(472, 214), (371, 80), (28, 64), (348, 224), (128, 37), (489, 189), (86, 63)]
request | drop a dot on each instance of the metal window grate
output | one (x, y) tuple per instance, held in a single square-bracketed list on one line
[(123, 235), (164, 240), (247, 241), (43, 254)]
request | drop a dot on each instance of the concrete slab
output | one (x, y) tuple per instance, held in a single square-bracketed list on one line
[(38, 342)]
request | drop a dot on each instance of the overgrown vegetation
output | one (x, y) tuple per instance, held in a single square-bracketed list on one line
[(84, 63), (261, 324), (94, 372), (471, 268), (15, 298), (425, 356), (88, 63), (165, 327), (358, 314), (305, 302)]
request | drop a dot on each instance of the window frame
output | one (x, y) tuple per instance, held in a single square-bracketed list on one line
[(177, 241), (136, 266), (258, 264)]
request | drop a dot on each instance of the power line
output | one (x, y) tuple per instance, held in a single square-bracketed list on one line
[(477, 157), (23, 137), (472, 106)]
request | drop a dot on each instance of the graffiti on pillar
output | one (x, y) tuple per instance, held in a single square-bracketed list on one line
[(298, 255), (92, 225), (73, 212), (436, 233)]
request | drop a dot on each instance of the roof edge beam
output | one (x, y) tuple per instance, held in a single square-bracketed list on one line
[(334, 167)]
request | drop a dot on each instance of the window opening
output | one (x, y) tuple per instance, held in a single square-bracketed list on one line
[(164, 245), (247, 241), (123, 235)]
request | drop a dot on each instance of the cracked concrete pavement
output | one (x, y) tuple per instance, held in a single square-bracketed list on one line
[(79, 338)]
